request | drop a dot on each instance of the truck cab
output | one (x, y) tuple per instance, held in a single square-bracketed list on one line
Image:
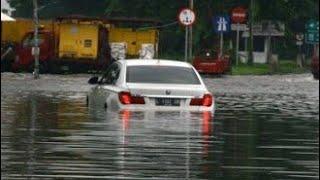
[(24, 58)]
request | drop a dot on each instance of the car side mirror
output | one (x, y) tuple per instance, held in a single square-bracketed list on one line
[(93, 80)]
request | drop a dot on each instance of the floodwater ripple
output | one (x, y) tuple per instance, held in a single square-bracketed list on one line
[(53, 135)]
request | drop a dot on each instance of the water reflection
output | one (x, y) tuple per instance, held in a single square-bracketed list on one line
[(195, 131), (27, 125), (55, 136), (162, 144)]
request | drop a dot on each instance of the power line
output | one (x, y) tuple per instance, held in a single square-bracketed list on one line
[(52, 3), (161, 26)]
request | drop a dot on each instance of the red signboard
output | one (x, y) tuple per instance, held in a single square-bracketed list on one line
[(239, 15)]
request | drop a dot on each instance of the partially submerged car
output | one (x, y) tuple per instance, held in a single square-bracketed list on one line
[(150, 84)]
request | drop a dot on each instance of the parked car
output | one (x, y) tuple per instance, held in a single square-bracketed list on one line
[(150, 84), (315, 62), (211, 63)]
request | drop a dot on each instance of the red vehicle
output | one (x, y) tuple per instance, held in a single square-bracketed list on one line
[(315, 62), (48, 58), (75, 44), (24, 57), (209, 64)]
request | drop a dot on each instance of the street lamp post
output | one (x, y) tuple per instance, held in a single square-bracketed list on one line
[(35, 49)]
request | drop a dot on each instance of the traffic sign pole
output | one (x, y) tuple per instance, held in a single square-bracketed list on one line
[(237, 48), (186, 45), (238, 16), (186, 18), (221, 45), (36, 45), (221, 26), (299, 43), (190, 33)]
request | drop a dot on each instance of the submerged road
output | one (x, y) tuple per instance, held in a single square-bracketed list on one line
[(276, 84), (265, 127)]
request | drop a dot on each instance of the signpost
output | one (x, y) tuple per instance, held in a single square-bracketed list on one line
[(186, 18), (35, 49), (241, 27), (238, 16), (312, 32), (221, 26), (299, 43), (299, 38)]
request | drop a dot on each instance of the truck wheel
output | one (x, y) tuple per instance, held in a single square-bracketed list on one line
[(87, 101), (3, 67), (43, 67), (30, 68), (6, 65), (54, 68)]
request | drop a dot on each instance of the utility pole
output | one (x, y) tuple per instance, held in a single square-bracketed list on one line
[(250, 55), (35, 48), (237, 46), (190, 33), (186, 44), (186, 17), (221, 45)]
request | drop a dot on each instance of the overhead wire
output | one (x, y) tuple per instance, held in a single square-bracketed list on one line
[(157, 27)]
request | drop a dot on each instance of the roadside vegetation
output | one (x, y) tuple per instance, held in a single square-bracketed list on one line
[(284, 67)]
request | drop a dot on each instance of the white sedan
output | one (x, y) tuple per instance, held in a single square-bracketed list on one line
[(150, 85)]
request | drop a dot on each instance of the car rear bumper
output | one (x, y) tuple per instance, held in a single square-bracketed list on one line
[(167, 108)]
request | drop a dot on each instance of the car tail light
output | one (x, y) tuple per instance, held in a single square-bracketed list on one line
[(206, 100), (127, 98)]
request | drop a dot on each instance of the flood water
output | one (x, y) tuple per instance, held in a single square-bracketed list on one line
[(54, 135)]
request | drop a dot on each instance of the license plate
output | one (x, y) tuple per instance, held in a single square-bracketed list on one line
[(167, 102)]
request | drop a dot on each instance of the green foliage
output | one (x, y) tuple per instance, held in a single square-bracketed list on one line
[(256, 69), (285, 67), (54, 8)]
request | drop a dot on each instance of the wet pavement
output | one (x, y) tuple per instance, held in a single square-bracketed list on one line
[(264, 127)]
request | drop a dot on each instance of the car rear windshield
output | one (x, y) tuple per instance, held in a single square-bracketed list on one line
[(161, 75)]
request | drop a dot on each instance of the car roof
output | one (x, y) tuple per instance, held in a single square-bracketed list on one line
[(151, 62)]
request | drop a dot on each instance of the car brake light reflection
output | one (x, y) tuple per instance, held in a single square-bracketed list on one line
[(206, 131), (125, 116)]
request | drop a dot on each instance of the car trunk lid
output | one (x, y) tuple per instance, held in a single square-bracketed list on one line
[(166, 90)]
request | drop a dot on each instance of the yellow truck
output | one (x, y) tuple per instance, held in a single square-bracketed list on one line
[(14, 31), (133, 38), (75, 43)]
